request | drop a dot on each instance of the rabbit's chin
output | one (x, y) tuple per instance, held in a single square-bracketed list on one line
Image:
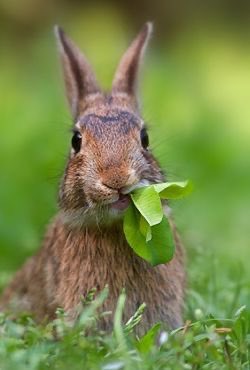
[(99, 216)]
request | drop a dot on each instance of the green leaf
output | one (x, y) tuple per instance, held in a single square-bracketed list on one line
[(161, 245), (173, 190), (145, 228), (159, 249), (148, 202), (134, 237), (146, 342)]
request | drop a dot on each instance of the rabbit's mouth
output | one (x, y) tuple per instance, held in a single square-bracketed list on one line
[(122, 203), (124, 200)]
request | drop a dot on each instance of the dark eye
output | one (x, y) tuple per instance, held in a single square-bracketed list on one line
[(144, 138), (76, 141)]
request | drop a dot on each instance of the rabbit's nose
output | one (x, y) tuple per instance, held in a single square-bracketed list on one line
[(118, 179), (114, 178), (114, 184)]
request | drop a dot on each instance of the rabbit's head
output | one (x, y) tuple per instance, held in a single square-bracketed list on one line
[(110, 155)]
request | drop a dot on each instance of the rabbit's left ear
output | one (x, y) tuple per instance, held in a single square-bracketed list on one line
[(80, 81), (125, 80)]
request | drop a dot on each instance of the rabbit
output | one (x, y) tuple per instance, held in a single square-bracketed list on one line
[(84, 246)]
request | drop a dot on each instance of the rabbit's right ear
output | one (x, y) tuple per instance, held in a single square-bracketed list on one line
[(79, 78)]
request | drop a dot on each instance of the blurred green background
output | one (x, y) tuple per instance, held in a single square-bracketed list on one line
[(195, 90)]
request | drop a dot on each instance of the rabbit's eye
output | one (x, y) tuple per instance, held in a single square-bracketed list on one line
[(76, 141), (144, 138)]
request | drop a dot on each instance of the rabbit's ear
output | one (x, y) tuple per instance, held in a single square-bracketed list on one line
[(126, 75), (79, 78)]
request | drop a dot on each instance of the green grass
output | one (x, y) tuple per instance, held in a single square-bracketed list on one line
[(206, 343), (196, 102)]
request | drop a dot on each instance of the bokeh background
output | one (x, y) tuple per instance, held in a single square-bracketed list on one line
[(195, 90)]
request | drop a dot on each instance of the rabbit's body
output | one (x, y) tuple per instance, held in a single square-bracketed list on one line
[(72, 262), (85, 247)]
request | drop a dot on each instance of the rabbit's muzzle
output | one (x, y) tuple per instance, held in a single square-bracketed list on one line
[(112, 187)]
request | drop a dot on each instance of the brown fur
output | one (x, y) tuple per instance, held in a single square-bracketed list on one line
[(85, 246)]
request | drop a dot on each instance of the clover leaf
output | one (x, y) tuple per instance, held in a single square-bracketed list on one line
[(145, 226), (173, 190), (148, 203)]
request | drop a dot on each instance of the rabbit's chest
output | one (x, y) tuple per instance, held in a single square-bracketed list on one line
[(140, 287), (108, 262), (87, 261)]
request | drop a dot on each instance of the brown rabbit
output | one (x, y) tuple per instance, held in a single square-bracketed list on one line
[(84, 246)]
